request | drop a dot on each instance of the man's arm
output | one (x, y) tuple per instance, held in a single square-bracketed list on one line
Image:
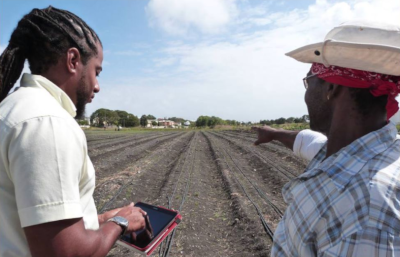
[(305, 144), (266, 134), (70, 238)]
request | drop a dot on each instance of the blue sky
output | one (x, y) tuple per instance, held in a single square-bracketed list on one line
[(188, 58)]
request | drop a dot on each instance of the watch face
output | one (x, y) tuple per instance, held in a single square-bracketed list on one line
[(122, 221)]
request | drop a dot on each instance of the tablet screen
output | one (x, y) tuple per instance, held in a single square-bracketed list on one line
[(159, 219)]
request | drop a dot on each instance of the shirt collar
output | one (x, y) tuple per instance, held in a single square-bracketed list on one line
[(29, 80), (347, 162)]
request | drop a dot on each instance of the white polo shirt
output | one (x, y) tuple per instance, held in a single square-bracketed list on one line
[(45, 171)]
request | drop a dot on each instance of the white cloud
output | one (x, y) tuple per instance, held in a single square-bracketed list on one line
[(178, 17), (260, 21), (253, 11), (162, 62), (244, 77)]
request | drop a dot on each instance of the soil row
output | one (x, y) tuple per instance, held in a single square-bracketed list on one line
[(270, 153), (117, 170), (227, 191)]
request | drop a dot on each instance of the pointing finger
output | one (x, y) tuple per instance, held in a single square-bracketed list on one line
[(255, 128)]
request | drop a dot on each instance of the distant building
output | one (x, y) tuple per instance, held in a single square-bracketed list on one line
[(150, 123), (88, 120), (96, 121), (84, 122), (166, 123)]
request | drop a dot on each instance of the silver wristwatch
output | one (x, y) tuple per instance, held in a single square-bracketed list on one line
[(120, 221)]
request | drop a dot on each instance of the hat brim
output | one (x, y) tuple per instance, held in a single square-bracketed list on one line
[(373, 58)]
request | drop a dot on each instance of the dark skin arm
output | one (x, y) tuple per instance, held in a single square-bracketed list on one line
[(266, 134), (70, 238)]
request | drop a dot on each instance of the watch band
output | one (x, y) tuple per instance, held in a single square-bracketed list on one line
[(122, 222)]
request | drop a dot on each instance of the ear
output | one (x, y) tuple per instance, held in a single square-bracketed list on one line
[(73, 60), (333, 91)]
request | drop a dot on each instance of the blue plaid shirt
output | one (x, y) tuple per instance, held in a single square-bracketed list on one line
[(346, 205)]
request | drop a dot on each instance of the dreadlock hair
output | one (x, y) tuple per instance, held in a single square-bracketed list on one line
[(43, 36)]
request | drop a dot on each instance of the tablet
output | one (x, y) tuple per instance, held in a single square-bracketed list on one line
[(159, 224)]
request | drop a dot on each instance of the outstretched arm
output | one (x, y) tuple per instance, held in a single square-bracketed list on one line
[(266, 134), (305, 144)]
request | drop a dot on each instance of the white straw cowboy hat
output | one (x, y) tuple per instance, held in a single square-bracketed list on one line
[(358, 45)]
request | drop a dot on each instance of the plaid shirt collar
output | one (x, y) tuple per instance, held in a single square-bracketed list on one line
[(348, 161)]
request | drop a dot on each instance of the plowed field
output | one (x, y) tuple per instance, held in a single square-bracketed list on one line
[(227, 190)]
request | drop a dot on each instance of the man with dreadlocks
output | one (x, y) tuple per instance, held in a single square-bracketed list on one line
[(347, 202), (46, 176)]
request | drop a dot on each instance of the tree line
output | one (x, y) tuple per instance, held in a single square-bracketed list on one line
[(207, 121), (302, 119), (105, 117)]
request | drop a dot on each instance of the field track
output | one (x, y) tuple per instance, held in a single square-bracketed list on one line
[(227, 190)]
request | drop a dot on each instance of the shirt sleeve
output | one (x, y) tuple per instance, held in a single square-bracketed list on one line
[(369, 242), (308, 143), (46, 160)]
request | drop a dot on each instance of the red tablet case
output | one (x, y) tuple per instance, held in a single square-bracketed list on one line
[(148, 250)]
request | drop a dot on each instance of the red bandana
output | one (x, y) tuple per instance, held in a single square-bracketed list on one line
[(379, 84)]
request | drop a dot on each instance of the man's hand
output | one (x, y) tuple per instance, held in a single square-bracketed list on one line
[(143, 238), (107, 215), (265, 134), (135, 216)]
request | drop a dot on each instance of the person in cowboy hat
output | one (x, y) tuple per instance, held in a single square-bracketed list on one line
[(347, 202)]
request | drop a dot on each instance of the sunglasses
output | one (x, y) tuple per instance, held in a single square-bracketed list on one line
[(305, 80)]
